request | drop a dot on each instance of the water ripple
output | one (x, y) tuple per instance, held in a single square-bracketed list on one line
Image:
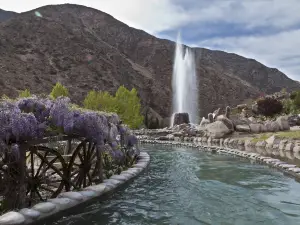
[(189, 187)]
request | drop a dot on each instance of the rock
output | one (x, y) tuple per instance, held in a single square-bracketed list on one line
[(254, 108), (170, 137), (255, 127), (282, 144), (217, 129), (227, 112), (63, 203), (12, 218), (238, 120), (241, 142), (242, 106), (72, 195), (210, 117), (249, 143), (243, 128), (252, 119), (226, 121), (30, 213), (260, 144), (152, 119), (294, 120), (289, 146), (271, 140), (283, 123), (162, 138), (275, 127), (44, 207), (181, 118), (178, 134), (204, 122), (216, 113)]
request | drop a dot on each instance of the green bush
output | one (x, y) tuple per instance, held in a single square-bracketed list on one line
[(125, 103), (128, 107), (25, 94), (293, 95), (269, 107), (59, 90)]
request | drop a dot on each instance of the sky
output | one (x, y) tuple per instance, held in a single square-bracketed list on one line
[(266, 30)]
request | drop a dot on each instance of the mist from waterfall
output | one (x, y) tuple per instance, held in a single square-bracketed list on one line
[(184, 82)]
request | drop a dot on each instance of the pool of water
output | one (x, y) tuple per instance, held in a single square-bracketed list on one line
[(185, 186)]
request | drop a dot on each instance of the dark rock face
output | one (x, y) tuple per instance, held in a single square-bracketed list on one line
[(181, 118), (6, 15), (87, 49)]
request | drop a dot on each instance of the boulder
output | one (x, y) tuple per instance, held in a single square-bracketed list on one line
[(204, 122), (243, 128), (217, 129), (255, 127), (181, 118), (283, 122), (294, 120), (242, 106), (152, 119), (275, 127), (252, 119), (226, 121)]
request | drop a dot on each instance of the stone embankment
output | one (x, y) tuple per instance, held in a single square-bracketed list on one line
[(288, 169), (69, 200)]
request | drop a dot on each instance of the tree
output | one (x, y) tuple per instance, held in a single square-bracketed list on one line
[(128, 107), (91, 101), (25, 94), (269, 106), (106, 102), (59, 90), (125, 103)]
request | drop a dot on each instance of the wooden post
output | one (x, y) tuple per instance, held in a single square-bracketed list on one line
[(100, 163), (68, 147), (15, 196)]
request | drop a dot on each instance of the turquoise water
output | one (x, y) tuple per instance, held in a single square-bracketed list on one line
[(185, 186)]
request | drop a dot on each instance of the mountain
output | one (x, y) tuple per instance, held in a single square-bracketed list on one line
[(6, 15), (88, 49)]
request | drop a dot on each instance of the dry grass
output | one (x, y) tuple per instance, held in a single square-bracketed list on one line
[(292, 134), (262, 137)]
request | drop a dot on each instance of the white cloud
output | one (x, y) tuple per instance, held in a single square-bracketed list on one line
[(279, 50), (155, 16), (158, 15)]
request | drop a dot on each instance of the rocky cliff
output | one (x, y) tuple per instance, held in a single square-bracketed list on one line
[(87, 49)]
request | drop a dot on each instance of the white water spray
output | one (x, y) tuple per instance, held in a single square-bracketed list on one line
[(184, 83)]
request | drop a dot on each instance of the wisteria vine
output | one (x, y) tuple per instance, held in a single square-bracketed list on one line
[(33, 118)]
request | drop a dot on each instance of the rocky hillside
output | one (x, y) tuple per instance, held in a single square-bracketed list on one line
[(6, 15), (87, 49)]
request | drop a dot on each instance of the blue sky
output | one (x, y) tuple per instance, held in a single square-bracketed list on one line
[(266, 30)]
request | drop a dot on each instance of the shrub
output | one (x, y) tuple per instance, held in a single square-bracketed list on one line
[(25, 94), (125, 103), (293, 95), (59, 90), (128, 107), (269, 106), (296, 100), (91, 101)]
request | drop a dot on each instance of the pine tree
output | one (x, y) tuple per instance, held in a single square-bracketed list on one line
[(59, 90)]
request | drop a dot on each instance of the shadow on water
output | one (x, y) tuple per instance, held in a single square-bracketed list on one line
[(184, 186)]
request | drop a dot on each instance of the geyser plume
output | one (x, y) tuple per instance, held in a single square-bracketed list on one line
[(184, 83)]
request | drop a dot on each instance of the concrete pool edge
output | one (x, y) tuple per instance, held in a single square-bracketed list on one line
[(287, 169), (68, 200)]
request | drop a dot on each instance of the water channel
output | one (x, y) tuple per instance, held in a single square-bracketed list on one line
[(185, 186)]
